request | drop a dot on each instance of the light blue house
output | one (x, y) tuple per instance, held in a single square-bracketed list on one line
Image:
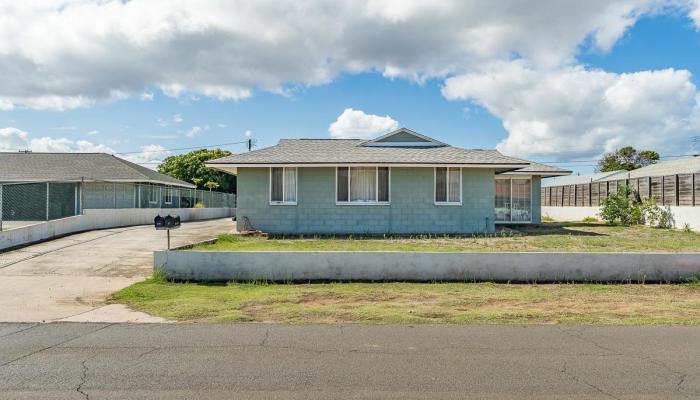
[(402, 182)]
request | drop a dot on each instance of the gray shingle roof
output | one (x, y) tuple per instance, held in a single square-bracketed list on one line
[(26, 167), (350, 151)]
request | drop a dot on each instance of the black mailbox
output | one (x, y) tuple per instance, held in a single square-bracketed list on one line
[(166, 223), (159, 222)]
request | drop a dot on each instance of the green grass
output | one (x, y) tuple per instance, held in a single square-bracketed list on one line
[(550, 236), (380, 303)]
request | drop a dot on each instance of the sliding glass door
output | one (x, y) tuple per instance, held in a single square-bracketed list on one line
[(513, 200)]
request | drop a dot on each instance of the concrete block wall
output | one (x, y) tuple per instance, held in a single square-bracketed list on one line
[(406, 266), (412, 208)]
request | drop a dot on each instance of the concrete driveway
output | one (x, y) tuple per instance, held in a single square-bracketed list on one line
[(69, 279)]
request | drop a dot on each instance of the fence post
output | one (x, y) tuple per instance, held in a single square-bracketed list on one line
[(114, 194), (692, 179), (677, 190), (663, 190), (1, 208), (590, 195), (47, 201)]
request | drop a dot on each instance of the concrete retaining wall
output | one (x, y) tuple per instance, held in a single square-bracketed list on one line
[(394, 266), (682, 215), (100, 219)]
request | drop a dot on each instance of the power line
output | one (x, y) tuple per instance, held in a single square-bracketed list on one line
[(181, 148)]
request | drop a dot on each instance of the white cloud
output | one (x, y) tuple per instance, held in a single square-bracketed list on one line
[(92, 132), (162, 123), (357, 124), (248, 133), (13, 139), (89, 50), (177, 118), (221, 125), (695, 13), (194, 131), (151, 155), (576, 112), (147, 96)]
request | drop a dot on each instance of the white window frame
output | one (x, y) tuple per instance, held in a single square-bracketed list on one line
[(284, 184), (376, 188), (168, 195), (511, 200), (447, 189)]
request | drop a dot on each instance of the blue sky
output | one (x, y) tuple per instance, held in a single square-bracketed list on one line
[(606, 84)]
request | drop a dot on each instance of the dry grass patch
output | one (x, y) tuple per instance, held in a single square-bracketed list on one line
[(418, 302), (550, 236)]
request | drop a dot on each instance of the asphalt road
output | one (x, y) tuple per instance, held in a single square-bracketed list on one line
[(71, 277), (263, 361)]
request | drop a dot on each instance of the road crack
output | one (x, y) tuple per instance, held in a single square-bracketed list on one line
[(564, 370)]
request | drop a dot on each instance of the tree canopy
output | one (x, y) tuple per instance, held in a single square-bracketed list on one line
[(627, 158), (190, 168)]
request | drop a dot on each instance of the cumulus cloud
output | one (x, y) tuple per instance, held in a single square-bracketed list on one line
[(60, 55), (359, 125), (577, 112), (147, 96), (177, 118), (150, 156), (14, 139), (196, 130), (92, 132)]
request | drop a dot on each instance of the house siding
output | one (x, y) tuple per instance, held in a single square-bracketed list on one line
[(412, 208), (536, 200)]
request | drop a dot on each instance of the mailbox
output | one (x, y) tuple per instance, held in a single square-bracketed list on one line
[(166, 223), (159, 222)]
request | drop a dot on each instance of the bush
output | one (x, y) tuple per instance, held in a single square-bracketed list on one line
[(590, 219), (657, 216), (199, 205), (621, 207)]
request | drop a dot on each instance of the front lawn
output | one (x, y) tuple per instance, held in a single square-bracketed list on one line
[(417, 303), (550, 236)]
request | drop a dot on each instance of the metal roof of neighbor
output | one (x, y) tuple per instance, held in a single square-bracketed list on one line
[(686, 165), (309, 152), (41, 167), (577, 179)]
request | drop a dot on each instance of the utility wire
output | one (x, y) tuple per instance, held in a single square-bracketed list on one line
[(180, 148)]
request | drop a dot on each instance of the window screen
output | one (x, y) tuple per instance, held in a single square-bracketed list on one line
[(440, 185), (342, 182), (448, 185), (383, 184), (276, 185)]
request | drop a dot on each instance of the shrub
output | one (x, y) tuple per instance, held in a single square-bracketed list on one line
[(622, 207), (199, 205), (686, 228), (657, 216), (590, 219), (547, 218)]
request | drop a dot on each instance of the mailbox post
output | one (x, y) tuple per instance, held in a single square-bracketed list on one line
[(166, 224)]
